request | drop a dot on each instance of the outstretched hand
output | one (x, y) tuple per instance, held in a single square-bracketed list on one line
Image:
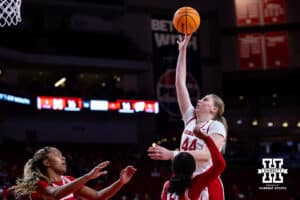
[(197, 131), (183, 42), (96, 171), (127, 173), (159, 153)]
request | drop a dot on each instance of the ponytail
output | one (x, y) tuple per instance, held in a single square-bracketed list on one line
[(27, 184), (34, 170), (179, 183), (224, 122), (219, 103), (183, 166)]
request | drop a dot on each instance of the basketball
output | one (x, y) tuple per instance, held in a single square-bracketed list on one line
[(186, 20)]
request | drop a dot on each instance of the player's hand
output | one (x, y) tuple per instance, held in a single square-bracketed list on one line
[(197, 131), (96, 171), (126, 174), (159, 153), (183, 42)]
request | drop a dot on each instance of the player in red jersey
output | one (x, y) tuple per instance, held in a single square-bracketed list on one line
[(182, 186), (44, 178), (208, 114)]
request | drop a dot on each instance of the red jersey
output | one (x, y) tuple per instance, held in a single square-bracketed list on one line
[(200, 181), (43, 184)]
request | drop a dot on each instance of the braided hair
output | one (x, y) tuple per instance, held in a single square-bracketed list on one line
[(183, 166), (34, 170)]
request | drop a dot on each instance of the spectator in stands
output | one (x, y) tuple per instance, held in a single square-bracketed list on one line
[(182, 186), (43, 178), (208, 113)]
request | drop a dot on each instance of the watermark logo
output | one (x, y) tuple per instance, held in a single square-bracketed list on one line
[(272, 174)]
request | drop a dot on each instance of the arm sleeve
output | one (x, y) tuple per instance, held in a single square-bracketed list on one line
[(218, 166), (218, 128), (188, 115), (164, 192)]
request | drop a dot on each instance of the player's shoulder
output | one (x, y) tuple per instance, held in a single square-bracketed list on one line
[(33, 196), (216, 127), (42, 183), (165, 190), (189, 115), (216, 123), (167, 184)]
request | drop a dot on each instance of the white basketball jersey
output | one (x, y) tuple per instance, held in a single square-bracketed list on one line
[(189, 142)]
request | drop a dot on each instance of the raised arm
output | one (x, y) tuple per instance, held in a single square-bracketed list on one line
[(73, 186), (108, 192), (161, 153), (218, 163), (183, 97), (204, 154)]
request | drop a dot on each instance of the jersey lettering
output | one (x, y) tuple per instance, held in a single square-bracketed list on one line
[(186, 146)]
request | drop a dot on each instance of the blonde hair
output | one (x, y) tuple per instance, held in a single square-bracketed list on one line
[(219, 103), (34, 170)]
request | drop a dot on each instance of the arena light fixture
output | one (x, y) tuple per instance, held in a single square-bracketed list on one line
[(239, 122), (270, 124), (60, 82), (285, 124), (255, 123)]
